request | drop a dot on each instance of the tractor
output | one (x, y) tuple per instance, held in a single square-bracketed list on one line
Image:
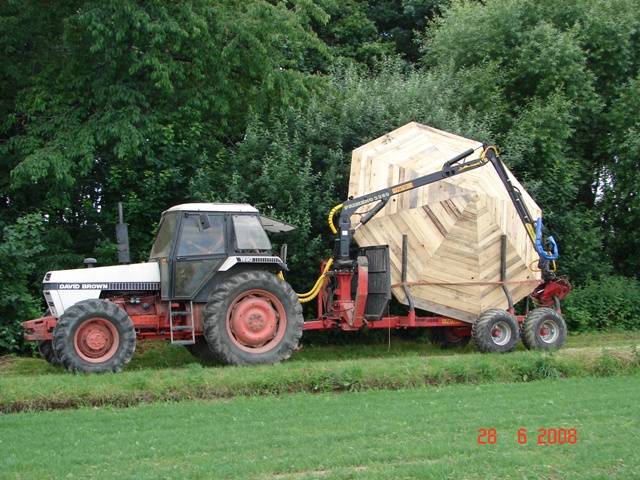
[(214, 285)]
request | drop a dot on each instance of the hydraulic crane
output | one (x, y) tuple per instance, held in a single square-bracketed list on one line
[(547, 248)]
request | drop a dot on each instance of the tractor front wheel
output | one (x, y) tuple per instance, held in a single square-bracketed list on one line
[(252, 318), (495, 331), (94, 336), (544, 329)]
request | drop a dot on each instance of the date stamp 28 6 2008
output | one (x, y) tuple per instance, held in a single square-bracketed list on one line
[(544, 436)]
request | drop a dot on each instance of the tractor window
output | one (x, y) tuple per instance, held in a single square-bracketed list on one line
[(199, 239), (162, 245), (249, 233)]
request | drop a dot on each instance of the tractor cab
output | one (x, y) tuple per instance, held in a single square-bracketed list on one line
[(197, 241)]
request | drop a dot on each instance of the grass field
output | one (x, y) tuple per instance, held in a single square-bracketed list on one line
[(415, 433), (318, 347), (161, 373)]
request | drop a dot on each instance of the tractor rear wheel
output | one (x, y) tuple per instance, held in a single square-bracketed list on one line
[(544, 329), (251, 318), (94, 336), (495, 331), (45, 348), (202, 352), (447, 337)]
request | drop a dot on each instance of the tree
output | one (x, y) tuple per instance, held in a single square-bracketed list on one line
[(295, 166), (545, 75), (138, 95), (21, 247), (621, 181)]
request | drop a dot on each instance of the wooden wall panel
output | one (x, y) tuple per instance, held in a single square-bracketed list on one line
[(454, 226)]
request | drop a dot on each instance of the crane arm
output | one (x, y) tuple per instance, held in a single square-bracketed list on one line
[(451, 168)]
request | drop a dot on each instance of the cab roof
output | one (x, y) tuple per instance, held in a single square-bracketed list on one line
[(215, 207), (269, 224)]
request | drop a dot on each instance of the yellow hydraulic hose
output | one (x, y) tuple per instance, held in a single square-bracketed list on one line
[(317, 286), (313, 293), (333, 211)]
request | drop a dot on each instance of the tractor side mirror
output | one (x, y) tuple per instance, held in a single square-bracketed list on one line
[(204, 222), (283, 253)]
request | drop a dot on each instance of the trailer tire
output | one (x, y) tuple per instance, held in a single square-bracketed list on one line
[(94, 336), (495, 331), (253, 318), (544, 329), (446, 337), (202, 352), (45, 348)]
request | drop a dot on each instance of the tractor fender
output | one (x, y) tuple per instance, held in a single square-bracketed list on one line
[(233, 268)]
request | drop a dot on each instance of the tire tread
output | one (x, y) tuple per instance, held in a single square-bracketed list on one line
[(481, 334), (73, 316), (216, 311), (530, 329)]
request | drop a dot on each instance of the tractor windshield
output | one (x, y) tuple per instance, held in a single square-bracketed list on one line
[(162, 246), (249, 233)]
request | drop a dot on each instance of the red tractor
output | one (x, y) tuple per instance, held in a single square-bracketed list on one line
[(213, 284)]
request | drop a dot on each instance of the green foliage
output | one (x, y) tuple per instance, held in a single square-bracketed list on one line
[(142, 93), (611, 302), (621, 180), (316, 143), (550, 76), (21, 247), (366, 32)]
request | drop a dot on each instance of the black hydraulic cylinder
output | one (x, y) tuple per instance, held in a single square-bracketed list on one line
[(503, 270), (405, 255)]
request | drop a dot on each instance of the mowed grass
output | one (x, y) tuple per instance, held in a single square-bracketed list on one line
[(415, 433), (365, 366)]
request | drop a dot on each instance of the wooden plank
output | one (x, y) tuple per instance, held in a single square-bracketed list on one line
[(453, 226)]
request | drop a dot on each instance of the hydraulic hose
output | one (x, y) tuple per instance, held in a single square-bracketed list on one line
[(332, 213), (317, 286), (313, 293)]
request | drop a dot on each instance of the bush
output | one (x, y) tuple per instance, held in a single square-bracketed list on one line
[(610, 302), (21, 245)]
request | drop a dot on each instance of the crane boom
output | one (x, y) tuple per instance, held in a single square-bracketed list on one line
[(547, 249)]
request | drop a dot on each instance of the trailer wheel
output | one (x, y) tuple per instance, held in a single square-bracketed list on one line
[(495, 331), (544, 329), (202, 352), (253, 318), (94, 336), (447, 337), (45, 348)]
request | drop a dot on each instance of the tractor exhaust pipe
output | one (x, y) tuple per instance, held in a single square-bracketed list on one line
[(122, 238)]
